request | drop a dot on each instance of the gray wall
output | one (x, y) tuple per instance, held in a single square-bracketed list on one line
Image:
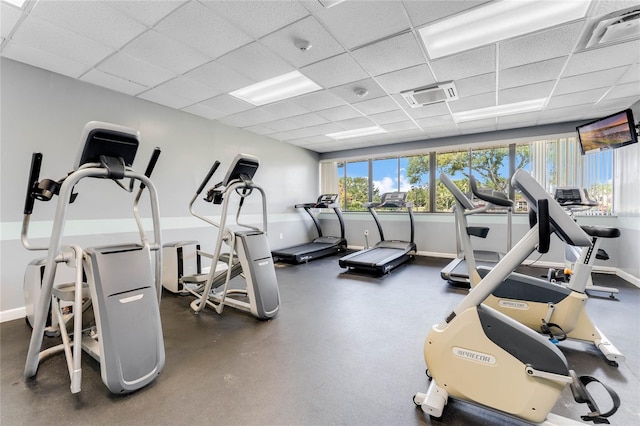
[(46, 112)]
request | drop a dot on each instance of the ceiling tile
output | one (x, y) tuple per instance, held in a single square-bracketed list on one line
[(476, 85), (97, 77), (219, 77), (323, 45), (282, 125), (377, 105), (522, 120), (478, 126), (599, 59), (160, 97), (296, 134), (406, 79), (618, 104), (440, 121), (467, 64), (45, 60), (355, 123), (147, 12), (204, 111), (9, 17), (573, 99), (256, 62), (324, 72), (187, 89), (525, 93), (248, 118), (227, 104), (339, 113), (539, 46), (317, 101), (198, 26), (347, 91), (605, 78), (355, 23), (306, 120), (133, 69), (632, 74), (532, 73), (258, 18), (160, 50), (603, 7), (284, 109), (424, 12), (399, 126), (259, 130), (41, 35), (391, 54), (92, 19), (389, 117), (623, 91), (326, 128), (473, 102)]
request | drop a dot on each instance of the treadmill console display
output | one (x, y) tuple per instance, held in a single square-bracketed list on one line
[(573, 196), (394, 199), (328, 199)]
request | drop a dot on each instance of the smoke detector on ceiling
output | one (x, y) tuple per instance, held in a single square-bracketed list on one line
[(612, 28), (441, 92)]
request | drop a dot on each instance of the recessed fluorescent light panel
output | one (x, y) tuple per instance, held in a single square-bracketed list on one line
[(18, 3), (500, 110), (330, 3), (497, 21), (276, 89), (365, 131)]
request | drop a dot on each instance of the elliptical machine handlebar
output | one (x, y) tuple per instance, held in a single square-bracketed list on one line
[(34, 177), (152, 164), (207, 178)]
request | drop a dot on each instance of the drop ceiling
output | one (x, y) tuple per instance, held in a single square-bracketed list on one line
[(189, 55)]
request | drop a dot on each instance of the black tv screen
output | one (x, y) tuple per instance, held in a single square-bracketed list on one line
[(610, 132)]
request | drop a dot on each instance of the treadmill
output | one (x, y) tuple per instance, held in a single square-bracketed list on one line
[(320, 246), (457, 271), (386, 254)]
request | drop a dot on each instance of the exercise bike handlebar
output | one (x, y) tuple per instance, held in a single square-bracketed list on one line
[(34, 177)]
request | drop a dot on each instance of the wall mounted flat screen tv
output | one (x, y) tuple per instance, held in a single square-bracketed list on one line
[(610, 132)]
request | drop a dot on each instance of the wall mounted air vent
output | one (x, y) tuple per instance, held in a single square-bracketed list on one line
[(612, 28), (441, 92)]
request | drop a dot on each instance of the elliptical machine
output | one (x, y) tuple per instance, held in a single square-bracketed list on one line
[(549, 308), (481, 356), (122, 283), (249, 254)]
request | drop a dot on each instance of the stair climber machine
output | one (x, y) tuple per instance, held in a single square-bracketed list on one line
[(574, 199), (320, 246), (558, 311), (121, 283), (457, 271), (486, 358), (249, 255), (386, 255)]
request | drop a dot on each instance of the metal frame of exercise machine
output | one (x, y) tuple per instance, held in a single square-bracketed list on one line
[(457, 271), (123, 282), (386, 255), (321, 245), (549, 308), (486, 358), (249, 254)]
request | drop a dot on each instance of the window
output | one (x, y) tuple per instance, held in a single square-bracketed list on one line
[(414, 173), (553, 162)]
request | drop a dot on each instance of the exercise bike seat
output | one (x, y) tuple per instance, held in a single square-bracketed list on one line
[(601, 231)]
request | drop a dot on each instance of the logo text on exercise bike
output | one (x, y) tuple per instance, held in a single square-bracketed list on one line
[(513, 304), (473, 355)]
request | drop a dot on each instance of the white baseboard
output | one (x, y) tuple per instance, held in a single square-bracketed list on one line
[(13, 314), (628, 277)]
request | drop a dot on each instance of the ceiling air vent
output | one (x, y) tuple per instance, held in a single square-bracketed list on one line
[(615, 27), (440, 92)]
